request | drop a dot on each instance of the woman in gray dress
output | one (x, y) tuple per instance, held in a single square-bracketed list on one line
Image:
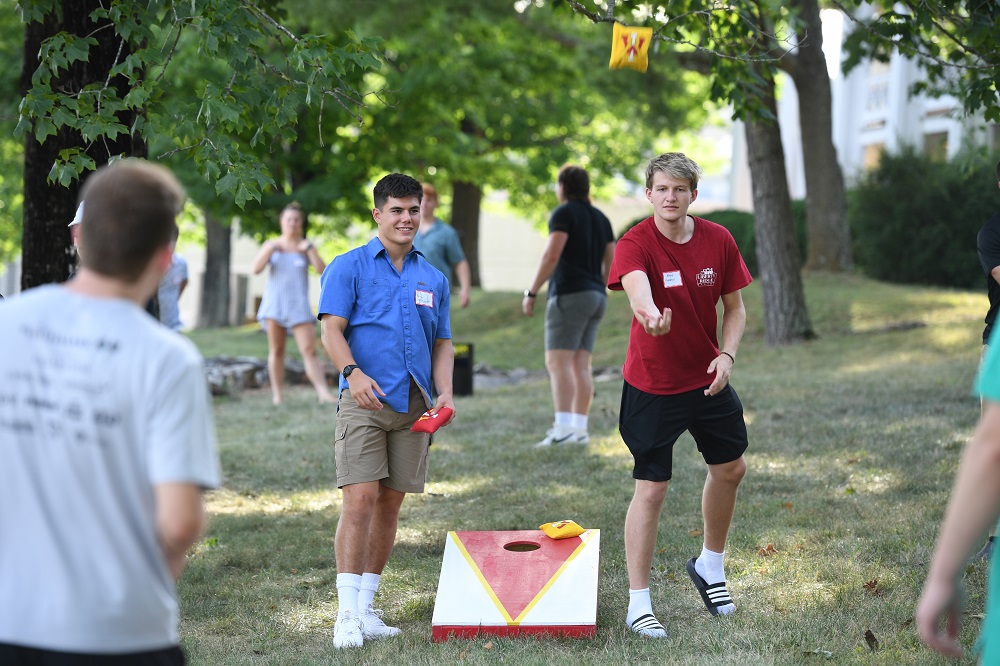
[(285, 305)]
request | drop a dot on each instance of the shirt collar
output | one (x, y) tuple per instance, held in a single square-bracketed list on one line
[(375, 247)]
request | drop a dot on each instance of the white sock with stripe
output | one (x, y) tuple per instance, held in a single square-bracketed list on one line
[(640, 618), (709, 566)]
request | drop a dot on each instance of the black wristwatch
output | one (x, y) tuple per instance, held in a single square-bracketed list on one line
[(348, 369)]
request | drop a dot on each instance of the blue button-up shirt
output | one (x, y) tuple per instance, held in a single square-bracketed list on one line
[(393, 317)]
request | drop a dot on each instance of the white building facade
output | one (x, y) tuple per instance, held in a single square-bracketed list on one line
[(872, 112)]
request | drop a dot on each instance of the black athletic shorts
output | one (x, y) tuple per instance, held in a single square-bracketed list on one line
[(19, 655), (650, 424)]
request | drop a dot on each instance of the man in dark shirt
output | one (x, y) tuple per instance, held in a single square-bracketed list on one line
[(575, 263)]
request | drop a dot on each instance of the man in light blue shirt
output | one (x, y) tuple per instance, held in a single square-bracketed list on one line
[(384, 316), (438, 242), (174, 281)]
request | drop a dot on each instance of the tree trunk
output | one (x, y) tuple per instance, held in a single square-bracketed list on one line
[(46, 249), (786, 319), (826, 201), (466, 198), (214, 311), (47, 253)]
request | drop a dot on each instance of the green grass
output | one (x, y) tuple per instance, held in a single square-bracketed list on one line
[(854, 440), (249, 340)]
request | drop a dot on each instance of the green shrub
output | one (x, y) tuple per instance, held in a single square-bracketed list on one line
[(914, 220), (740, 225)]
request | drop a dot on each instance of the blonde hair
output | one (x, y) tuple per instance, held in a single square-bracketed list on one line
[(675, 165)]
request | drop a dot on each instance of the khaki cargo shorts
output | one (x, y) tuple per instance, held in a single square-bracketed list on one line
[(379, 445)]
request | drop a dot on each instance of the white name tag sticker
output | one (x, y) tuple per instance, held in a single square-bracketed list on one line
[(425, 298), (672, 279)]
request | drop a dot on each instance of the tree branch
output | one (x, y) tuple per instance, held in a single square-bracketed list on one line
[(173, 47), (743, 54), (916, 50)]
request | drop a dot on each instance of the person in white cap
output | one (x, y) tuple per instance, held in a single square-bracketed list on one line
[(74, 227)]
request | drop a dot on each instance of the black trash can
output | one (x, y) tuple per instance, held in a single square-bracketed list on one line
[(462, 376)]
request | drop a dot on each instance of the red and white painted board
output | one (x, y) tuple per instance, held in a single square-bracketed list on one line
[(517, 583)]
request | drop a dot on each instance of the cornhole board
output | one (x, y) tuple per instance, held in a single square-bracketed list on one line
[(517, 583)]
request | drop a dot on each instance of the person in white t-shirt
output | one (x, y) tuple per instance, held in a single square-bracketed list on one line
[(107, 443)]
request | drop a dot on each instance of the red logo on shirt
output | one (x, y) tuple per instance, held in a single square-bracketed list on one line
[(706, 277)]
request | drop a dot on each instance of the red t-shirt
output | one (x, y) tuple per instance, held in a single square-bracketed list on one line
[(689, 278)]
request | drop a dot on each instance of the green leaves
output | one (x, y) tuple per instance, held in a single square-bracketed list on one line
[(34, 11), (58, 53), (485, 94), (956, 43), (240, 77), (251, 178), (72, 162), (736, 45)]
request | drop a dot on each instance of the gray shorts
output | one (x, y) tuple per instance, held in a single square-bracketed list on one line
[(379, 445), (571, 320)]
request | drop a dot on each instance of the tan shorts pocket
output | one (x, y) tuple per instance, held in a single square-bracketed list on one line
[(340, 450)]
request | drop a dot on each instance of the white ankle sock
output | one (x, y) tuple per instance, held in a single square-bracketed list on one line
[(369, 586), (709, 566), (564, 419), (639, 604), (579, 422), (348, 586)]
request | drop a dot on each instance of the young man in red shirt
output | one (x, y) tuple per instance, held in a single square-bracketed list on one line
[(675, 268)]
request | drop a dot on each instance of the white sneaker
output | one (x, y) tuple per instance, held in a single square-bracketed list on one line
[(348, 631), (557, 435), (372, 625)]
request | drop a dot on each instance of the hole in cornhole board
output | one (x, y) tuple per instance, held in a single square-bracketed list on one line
[(521, 546)]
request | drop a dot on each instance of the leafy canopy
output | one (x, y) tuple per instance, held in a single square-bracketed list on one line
[(248, 100), (956, 43), (736, 45), (486, 94)]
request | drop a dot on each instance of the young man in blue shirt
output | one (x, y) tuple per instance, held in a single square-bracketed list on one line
[(384, 316)]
